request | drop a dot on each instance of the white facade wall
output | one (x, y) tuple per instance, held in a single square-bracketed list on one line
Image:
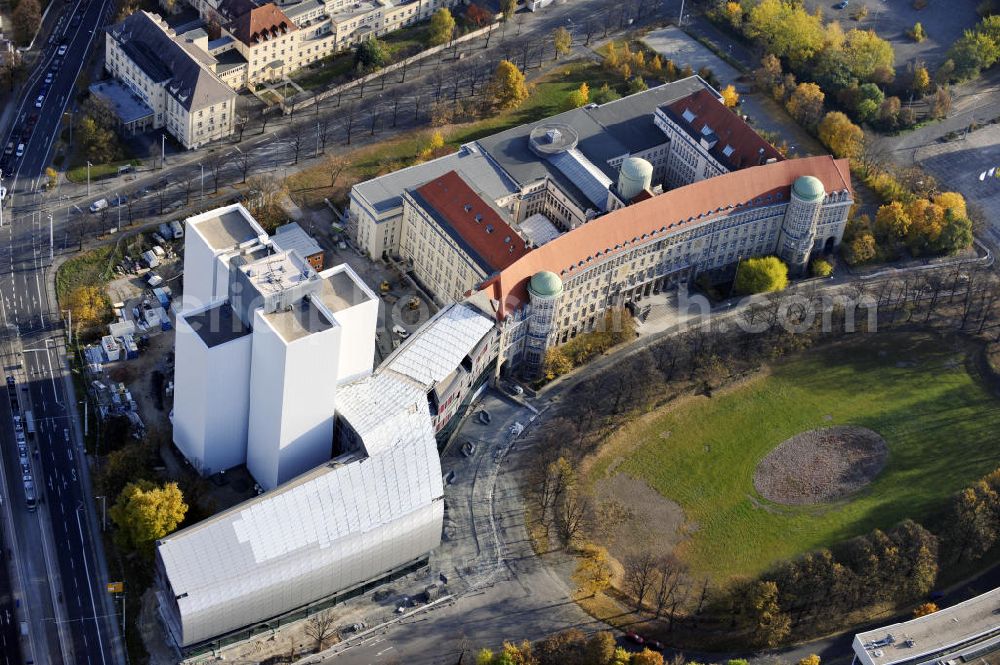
[(357, 340), (199, 272), (292, 402), (211, 400)]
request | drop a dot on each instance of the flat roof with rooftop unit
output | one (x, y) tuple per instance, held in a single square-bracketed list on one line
[(957, 634)]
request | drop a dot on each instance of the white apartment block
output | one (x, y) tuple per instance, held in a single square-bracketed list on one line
[(173, 77)]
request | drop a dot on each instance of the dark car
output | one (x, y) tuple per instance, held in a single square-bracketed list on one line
[(120, 200), (841, 5), (10, 149), (655, 645), (634, 637), (31, 121)]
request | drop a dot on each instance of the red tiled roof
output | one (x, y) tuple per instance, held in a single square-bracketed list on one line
[(730, 129), (660, 216), (472, 222), (261, 24)]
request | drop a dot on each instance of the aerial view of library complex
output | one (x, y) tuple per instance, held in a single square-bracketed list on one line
[(500, 332)]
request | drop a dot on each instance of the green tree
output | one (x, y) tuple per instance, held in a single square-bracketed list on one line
[(89, 305), (562, 41), (917, 32), (840, 135), (484, 657), (593, 572), (806, 104), (761, 274), (131, 462), (869, 100), (786, 30), (620, 657), (973, 52), (26, 19), (820, 268), (605, 94), (765, 619), (729, 96), (442, 27), (507, 89), (371, 55), (865, 53), (956, 234), (637, 85), (508, 7), (579, 97), (145, 512), (972, 524), (921, 80)]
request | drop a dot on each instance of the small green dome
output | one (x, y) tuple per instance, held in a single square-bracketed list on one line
[(808, 188), (545, 284)]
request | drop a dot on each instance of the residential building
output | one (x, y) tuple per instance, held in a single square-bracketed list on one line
[(260, 42), (172, 77)]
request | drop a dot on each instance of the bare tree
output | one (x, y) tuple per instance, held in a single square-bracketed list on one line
[(296, 138), (639, 575), (337, 166), (130, 201), (573, 515), (244, 162), (374, 113), (320, 626), (215, 160), (349, 115), (242, 117), (323, 129), (669, 591), (188, 184)]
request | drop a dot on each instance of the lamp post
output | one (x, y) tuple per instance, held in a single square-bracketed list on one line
[(119, 206), (3, 195), (104, 512), (202, 180), (88, 177)]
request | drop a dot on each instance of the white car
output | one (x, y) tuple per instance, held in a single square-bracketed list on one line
[(62, 50), (401, 331), (49, 77), (39, 101), (20, 150)]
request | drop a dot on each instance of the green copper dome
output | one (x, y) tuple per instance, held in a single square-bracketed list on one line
[(808, 188), (545, 284)]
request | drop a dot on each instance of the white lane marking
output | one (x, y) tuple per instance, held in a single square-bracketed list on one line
[(93, 605)]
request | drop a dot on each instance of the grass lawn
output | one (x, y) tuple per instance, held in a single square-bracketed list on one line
[(938, 419), (331, 68), (98, 171), (310, 186)]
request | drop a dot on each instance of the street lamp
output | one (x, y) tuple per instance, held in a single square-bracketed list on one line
[(3, 195), (88, 177), (119, 206), (104, 512)]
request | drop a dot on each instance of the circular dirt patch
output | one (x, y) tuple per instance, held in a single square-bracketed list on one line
[(821, 465)]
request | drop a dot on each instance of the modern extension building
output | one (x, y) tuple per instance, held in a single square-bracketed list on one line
[(259, 357), (274, 370), (172, 77), (964, 633)]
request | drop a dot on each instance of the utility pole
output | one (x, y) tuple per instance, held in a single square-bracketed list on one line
[(202, 181), (163, 151), (119, 206), (88, 177), (680, 19)]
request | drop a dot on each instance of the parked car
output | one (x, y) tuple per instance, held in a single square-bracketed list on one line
[(634, 637), (655, 645), (62, 50), (401, 331), (98, 205)]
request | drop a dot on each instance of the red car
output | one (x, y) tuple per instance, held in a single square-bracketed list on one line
[(634, 637)]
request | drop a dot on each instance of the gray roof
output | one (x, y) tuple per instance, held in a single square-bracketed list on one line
[(125, 103), (624, 126), (217, 325), (386, 192), (292, 236), (184, 71)]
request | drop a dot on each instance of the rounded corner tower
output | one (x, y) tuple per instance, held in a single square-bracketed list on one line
[(798, 230), (545, 291)]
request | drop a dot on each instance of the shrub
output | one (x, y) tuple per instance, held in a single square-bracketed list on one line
[(820, 268), (916, 33)]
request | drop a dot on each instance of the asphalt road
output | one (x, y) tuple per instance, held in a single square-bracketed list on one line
[(10, 643), (36, 125)]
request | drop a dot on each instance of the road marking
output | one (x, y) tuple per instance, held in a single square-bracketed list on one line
[(93, 605)]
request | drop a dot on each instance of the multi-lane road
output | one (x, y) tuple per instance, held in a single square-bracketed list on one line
[(58, 591)]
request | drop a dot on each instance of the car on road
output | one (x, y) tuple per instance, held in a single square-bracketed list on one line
[(75, 21), (49, 77), (20, 150), (655, 645), (39, 101), (634, 637), (31, 122), (62, 50), (98, 205), (841, 5), (119, 200), (9, 150)]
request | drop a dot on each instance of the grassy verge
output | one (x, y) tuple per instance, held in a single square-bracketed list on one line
[(91, 268), (917, 392), (332, 69), (98, 171)]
